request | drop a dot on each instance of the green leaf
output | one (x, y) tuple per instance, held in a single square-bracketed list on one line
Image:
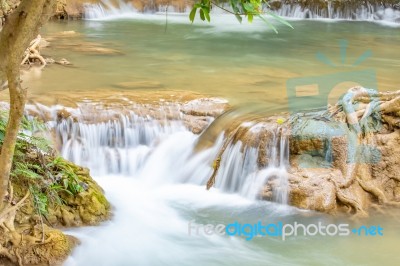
[(192, 14), (278, 18), (238, 17), (65, 183), (206, 13), (236, 10), (250, 18), (248, 7), (269, 23), (202, 15), (235, 7)]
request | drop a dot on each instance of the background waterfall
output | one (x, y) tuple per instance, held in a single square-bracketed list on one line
[(363, 11)]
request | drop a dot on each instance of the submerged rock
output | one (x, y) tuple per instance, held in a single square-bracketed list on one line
[(96, 50), (63, 62), (193, 110), (139, 85), (205, 107)]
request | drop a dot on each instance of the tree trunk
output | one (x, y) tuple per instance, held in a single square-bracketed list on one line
[(20, 28)]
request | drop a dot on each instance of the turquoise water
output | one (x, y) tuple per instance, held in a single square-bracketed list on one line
[(245, 64)]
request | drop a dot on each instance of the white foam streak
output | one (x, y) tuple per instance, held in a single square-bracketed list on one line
[(145, 230), (115, 146), (223, 21), (151, 175), (162, 152)]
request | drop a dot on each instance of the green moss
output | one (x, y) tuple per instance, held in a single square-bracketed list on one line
[(61, 191)]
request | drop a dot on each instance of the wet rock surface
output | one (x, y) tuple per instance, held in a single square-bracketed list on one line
[(332, 166), (194, 110)]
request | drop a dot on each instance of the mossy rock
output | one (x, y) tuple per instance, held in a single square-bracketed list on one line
[(88, 207)]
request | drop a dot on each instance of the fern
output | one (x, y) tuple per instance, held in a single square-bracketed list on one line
[(34, 163), (26, 170), (40, 200)]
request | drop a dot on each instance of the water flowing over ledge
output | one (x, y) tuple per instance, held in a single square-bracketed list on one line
[(240, 150), (159, 147), (339, 10), (387, 12)]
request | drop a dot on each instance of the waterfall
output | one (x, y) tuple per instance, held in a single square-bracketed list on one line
[(106, 9), (114, 146), (162, 150), (240, 171), (364, 11), (124, 9)]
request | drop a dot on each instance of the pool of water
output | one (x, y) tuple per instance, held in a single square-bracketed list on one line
[(246, 64)]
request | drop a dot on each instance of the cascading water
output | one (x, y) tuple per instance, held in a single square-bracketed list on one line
[(136, 146), (156, 201), (363, 12), (116, 146), (107, 9), (154, 176)]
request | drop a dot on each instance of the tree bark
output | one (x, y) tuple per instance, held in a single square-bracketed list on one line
[(20, 28)]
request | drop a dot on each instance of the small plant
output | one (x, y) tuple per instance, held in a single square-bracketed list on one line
[(69, 180), (40, 200), (240, 9), (34, 163)]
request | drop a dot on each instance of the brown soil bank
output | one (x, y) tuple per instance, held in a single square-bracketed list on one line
[(46, 192)]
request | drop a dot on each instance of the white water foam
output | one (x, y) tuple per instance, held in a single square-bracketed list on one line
[(156, 184), (147, 227), (226, 22), (162, 151)]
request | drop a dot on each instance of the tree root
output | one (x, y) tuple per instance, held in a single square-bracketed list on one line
[(349, 174), (368, 102), (372, 101), (32, 52), (7, 214), (352, 203), (393, 122), (373, 190), (10, 235)]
